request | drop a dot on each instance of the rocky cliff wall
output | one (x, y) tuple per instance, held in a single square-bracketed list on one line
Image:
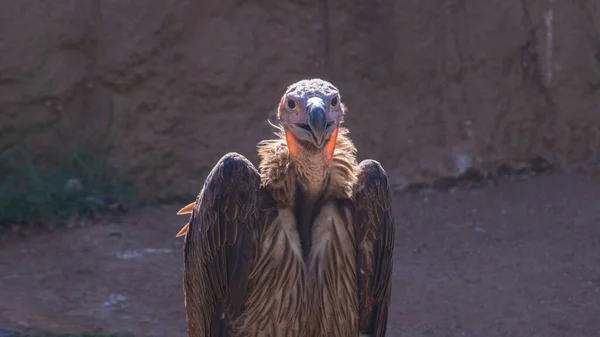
[(169, 86)]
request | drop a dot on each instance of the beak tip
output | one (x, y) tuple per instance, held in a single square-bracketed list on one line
[(320, 140)]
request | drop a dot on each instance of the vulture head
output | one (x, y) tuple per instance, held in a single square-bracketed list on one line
[(311, 112)]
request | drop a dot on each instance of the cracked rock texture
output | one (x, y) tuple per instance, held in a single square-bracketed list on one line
[(433, 87)]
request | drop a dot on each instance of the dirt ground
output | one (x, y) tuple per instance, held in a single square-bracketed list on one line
[(521, 258)]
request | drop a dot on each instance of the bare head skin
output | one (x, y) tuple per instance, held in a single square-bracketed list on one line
[(311, 113)]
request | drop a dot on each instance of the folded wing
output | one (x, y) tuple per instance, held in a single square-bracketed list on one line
[(374, 225), (220, 245)]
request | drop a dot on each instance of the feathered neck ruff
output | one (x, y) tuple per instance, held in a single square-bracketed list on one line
[(280, 174)]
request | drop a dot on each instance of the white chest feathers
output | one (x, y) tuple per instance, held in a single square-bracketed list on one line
[(291, 296)]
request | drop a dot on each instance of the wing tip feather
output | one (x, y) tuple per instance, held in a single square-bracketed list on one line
[(183, 231), (188, 209)]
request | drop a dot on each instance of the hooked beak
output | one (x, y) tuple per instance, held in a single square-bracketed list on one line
[(317, 121)]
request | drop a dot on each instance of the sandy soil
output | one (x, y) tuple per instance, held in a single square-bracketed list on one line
[(521, 258)]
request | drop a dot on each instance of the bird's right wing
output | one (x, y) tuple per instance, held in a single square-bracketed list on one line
[(220, 246)]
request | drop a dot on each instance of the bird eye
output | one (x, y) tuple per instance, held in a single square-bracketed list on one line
[(334, 101), (291, 104)]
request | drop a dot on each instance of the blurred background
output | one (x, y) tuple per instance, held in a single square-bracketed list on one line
[(484, 113)]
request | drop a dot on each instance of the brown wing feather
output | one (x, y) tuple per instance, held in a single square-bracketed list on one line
[(374, 224), (220, 245)]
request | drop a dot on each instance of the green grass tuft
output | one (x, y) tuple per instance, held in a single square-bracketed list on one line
[(82, 185)]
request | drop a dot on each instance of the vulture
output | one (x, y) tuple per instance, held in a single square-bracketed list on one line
[(301, 246)]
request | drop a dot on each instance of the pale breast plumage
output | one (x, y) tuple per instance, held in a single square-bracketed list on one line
[(332, 272), (300, 298)]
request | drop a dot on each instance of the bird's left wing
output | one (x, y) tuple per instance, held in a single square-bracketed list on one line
[(220, 246), (374, 224)]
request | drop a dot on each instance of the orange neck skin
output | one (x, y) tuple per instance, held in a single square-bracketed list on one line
[(329, 147)]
